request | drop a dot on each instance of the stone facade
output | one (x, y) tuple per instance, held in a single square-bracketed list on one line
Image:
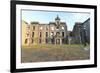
[(76, 33), (51, 33), (85, 34), (81, 32), (55, 33), (25, 31)]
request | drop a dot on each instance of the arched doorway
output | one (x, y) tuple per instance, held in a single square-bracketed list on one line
[(57, 41)]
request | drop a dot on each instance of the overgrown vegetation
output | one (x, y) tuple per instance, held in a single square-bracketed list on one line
[(42, 53)]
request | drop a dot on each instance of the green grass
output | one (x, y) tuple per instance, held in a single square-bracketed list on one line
[(49, 52), (53, 46)]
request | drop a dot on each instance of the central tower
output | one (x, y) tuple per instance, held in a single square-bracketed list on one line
[(57, 21)]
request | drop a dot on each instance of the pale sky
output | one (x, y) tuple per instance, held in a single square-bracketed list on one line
[(49, 16)]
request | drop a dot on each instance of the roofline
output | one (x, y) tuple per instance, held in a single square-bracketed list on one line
[(86, 20)]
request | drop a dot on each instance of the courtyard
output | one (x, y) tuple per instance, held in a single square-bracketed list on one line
[(51, 52)]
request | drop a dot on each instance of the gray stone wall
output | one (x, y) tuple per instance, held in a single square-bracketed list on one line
[(81, 32)]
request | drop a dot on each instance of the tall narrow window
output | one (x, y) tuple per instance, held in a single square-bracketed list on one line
[(32, 41), (33, 27), (62, 34), (46, 34), (46, 40), (52, 40), (63, 41), (26, 41), (32, 34), (40, 34)]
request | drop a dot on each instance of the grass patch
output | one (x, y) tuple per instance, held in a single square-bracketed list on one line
[(49, 52), (51, 46)]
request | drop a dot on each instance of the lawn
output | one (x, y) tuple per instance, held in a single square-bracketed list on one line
[(43, 53)]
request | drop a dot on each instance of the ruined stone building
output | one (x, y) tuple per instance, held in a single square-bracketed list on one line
[(54, 33), (81, 32), (39, 33)]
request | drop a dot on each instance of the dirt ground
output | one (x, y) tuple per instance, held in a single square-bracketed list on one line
[(54, 53)]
